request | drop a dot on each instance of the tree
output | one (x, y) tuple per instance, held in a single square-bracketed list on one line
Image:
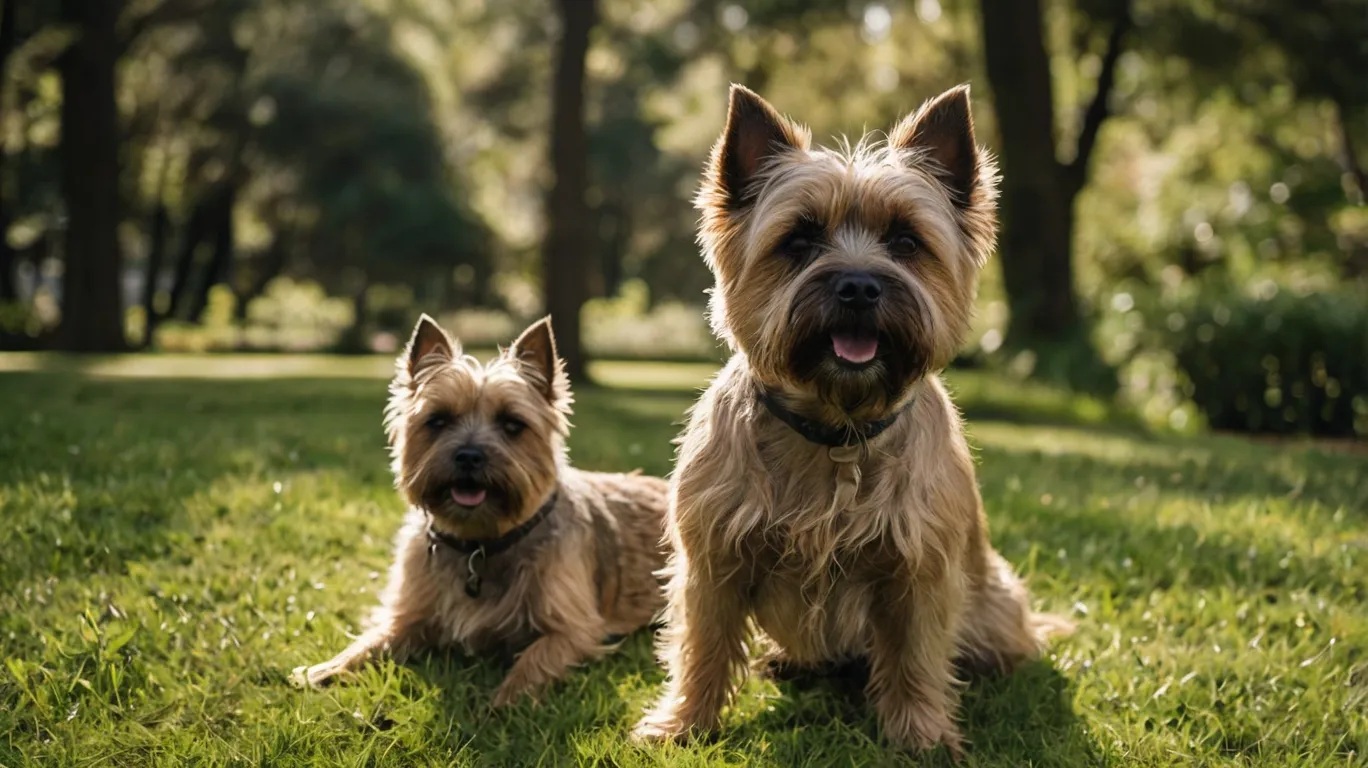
[(9, 39), (92, 305), (1039, 189), (569, 227)]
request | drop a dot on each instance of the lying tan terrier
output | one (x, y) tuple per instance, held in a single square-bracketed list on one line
[(505, 545), (824, 489)]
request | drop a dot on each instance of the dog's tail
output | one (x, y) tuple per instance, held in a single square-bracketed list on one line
[(1000, 630)]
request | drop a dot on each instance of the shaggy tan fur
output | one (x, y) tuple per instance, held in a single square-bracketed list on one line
[(878, 551), (585, 572)]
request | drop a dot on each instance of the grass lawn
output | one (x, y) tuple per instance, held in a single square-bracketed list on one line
[(177, 534)]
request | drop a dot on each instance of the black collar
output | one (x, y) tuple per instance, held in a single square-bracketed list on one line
[(823, 434), (479, 549)]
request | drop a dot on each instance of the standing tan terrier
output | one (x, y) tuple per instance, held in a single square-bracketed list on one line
[(505, 545), (824, 488)]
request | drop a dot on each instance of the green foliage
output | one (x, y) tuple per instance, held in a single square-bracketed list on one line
[(19, 319), (1278, 362), (627, 326), (392, 308), (174, 546), (289, 316), (296, 316), (403, 144)]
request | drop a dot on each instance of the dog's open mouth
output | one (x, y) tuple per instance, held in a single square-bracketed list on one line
[(468, 494), (855, 346)]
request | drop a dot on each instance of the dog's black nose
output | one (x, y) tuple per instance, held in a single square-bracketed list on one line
[(858, 290), (470, 459)]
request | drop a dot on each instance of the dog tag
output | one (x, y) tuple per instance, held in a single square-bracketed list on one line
[(844, 454), (845, 458), (474, 579)]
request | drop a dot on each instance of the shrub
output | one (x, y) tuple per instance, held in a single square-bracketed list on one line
[(215, 333), (482, 329), (1277, 362), (627, 326), (296, 317), (288, 317)]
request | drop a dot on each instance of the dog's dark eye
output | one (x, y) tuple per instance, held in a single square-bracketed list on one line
[(903, 243), (438, 422), (511, 426), (802, 242)]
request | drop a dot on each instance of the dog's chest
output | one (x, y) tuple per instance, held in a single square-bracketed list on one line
[(816, 619), (822, 552), (500, 615), (818, 508)]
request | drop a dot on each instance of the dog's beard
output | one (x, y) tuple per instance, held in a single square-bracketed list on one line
[(464, 497), (858, 361)]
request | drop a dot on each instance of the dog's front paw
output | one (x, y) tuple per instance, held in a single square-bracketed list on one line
[(661, 725), (923, 727), (651, 730), (316, 676), (511, 691)]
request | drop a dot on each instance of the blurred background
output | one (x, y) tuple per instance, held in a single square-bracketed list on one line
[(1185, 230)]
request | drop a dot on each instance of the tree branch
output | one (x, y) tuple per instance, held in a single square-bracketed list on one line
[(1351, 161), (1076, 172)]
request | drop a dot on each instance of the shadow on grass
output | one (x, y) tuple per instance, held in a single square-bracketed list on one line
[(1261, 521), (817, 720), (1240, 475), (560, 727), (1025, 718), (97, 473)]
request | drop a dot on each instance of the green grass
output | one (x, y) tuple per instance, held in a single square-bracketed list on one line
[(178, 534)]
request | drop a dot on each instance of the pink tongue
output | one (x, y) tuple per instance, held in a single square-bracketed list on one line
[(468, 498), (853, 348)]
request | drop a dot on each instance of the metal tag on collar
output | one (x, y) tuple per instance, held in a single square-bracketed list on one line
[(474, 579), (845, 454)]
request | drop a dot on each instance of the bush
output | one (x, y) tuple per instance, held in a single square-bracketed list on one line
[(483, 329), (626, 326), (288, 317), (1277, 362), (295, 316)]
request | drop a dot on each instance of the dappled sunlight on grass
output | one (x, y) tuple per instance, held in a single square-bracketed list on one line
[(174, 546)]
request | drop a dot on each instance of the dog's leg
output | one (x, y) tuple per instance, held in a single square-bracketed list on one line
[(911, 682), (399, 625), (547, 659), (566, 611), (704, 651), (394, 634)]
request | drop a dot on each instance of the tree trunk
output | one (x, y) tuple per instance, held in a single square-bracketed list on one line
[(569, 232), (614, 232), (9, 288), (196, 231), (1036, 244), (220, 258), (92, 302), (1349, 155), (9, 38), (270, 265), (354, 340), (156, 257)]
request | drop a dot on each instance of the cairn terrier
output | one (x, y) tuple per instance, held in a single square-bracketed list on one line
[(505, 545), (824, 489)]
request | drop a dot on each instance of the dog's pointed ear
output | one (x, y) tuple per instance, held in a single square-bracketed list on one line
[(535, 351), (428, 345), (943, 129), (755, 132)]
